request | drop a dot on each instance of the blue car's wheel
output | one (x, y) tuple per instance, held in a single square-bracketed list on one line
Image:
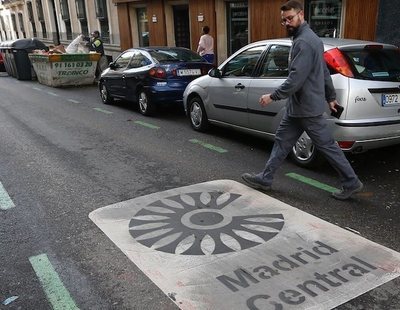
[(146, 107), (105, 96), (197, 114)]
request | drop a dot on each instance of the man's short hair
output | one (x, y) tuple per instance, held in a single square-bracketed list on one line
[(96, 33), (292, 4), (206, 29)]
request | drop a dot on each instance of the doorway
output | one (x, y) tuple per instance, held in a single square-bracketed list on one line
[(181, 25)]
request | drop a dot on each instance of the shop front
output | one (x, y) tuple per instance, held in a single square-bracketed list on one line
[(235, 23)]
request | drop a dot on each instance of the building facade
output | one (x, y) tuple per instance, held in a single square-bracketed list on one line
[(233, 23), (60, 21)]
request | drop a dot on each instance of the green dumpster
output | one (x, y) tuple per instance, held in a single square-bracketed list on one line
[(60, 70)]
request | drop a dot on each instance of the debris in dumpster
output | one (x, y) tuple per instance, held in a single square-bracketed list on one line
[(78, 45)]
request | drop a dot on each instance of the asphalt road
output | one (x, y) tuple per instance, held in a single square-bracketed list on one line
[(63, 154)]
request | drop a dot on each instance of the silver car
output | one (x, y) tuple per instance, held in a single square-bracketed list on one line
[(366, 76)]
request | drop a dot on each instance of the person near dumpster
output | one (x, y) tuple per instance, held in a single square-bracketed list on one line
[(96, 45), (308, 88)]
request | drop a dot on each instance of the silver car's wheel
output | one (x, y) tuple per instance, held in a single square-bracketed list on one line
[(197, 114), (304, 152), (145, 106), (105, 96)]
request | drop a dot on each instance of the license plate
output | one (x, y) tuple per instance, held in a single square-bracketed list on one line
[(188, 72), (388, 99)]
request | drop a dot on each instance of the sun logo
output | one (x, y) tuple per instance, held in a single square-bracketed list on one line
[(201, 223)]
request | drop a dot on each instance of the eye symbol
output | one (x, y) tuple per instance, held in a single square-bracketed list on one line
[(201, 223)]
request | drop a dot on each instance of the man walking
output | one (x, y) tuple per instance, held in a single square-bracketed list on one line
[(308, 87)]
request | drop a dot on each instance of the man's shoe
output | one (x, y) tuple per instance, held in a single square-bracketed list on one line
[(254, 182), (345, 193)]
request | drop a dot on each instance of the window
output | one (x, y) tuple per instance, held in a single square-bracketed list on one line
[(244, 63), (68, 29), (30, 12), (324, 17), (14, 24), (101, 9), (124, 60), (21, 24), (276, 62), (105, 30), (80, 9), (31, 18), (139, 60), (374, 63), (238, 25), (39, 9), (64, 9), (3, 28), (81, 14), (143, 26)]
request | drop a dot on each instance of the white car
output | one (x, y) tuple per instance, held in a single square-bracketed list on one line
[(366, 76)]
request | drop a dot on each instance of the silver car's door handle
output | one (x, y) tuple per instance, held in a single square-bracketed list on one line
[(239, 86)]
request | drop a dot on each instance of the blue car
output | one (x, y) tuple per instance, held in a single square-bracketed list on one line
[(151, 76)]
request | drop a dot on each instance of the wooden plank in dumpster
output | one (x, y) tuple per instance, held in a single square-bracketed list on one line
[(60, 70)]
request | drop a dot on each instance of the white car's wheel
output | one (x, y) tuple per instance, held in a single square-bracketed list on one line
[(197, 114), (305, 154)]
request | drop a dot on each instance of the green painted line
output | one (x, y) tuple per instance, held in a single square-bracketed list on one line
[(103, 111), (56, 293), (146, 125), (209, 146), (5, 200), (312, 182)]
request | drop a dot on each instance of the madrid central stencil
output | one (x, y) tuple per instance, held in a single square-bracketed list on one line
[(196, 224)]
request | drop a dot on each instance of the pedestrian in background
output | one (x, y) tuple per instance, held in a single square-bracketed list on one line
[(96, 45), (309, 88), (206, 45)]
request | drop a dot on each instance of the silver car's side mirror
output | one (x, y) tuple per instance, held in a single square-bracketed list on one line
[(215, 72)]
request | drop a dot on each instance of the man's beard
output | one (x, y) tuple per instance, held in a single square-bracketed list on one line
[(291, 31)]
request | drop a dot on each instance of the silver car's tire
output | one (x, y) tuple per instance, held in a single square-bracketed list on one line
[(146, 107), (197, 114), (105, 96), (305, 154)]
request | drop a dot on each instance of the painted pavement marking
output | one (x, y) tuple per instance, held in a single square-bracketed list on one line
[(103, 111), (55, 291), (53, 94), (222, 245), (312, 182), (37, 88), (147, 125), (73, 101), (5, 200), (209, 146)]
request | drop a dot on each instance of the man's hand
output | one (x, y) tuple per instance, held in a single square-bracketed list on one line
[(265, 100), (332, 105)]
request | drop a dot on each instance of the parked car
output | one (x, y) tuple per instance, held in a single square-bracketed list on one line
[(366, 76), (2, 66), (151, 76)]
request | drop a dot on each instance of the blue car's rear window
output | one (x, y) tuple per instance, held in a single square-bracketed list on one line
[(173, 55)]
